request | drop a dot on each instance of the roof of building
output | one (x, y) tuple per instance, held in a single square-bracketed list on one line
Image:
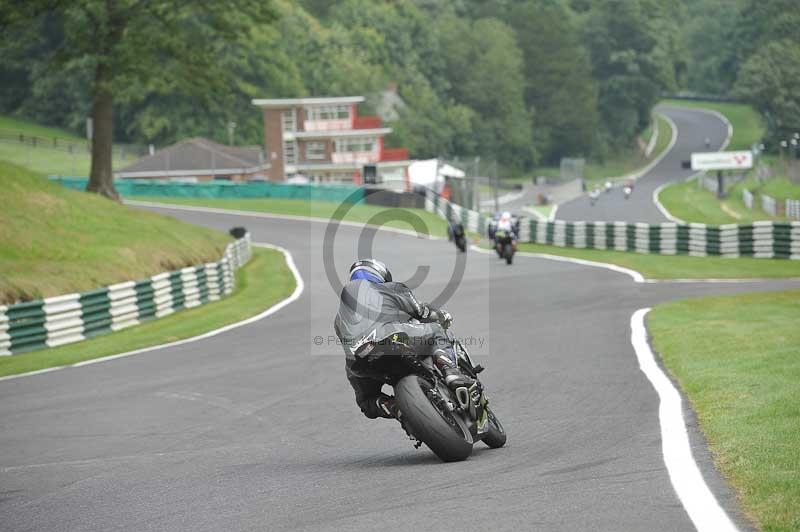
[(289, 102), (197, 155)]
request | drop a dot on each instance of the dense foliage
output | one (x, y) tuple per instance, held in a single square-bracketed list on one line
[(523, 81)]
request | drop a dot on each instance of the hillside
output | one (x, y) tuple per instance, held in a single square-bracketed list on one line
[(55, 241)]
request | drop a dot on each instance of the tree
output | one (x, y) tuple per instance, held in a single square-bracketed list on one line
[(769, 80), (558, 82), (133, 47)]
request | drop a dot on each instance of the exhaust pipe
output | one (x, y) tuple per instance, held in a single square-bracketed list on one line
[(462, 396)]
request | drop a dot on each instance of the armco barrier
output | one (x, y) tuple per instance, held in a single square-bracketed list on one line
[(73, 317), (224, 189), (780, 240)]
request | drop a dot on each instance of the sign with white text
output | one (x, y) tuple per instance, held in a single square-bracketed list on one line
[(722, 160)]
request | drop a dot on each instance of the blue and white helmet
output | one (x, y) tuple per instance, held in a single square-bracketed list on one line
[(371, 270)]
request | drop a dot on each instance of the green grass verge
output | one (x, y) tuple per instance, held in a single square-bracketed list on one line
[(781, 188), (45, 157), (262, 282), (738, 361), (748, 125), (680, 266), (318, 209), (692, 203), (56, 241)]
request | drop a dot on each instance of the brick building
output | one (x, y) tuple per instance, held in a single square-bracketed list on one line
[(325, 140)]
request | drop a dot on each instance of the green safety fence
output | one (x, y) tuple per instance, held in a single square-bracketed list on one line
[(224, 189)]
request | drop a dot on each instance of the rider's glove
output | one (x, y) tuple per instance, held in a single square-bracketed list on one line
[(445, 319)]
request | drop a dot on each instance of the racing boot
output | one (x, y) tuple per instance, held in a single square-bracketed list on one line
[(452, 375)]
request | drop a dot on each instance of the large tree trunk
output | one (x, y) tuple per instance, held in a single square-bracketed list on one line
[(101, 178)]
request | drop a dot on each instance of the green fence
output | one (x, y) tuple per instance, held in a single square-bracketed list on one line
[(224, 189)]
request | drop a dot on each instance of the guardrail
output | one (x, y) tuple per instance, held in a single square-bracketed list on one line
[(780, 240), (74, 317)]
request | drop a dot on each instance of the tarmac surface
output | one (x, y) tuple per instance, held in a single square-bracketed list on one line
[(257, 428)]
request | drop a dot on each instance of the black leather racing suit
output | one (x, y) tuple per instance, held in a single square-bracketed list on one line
[(373, 312)]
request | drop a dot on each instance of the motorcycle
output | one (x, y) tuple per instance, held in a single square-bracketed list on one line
[(457, 234), (627, 191), (448, 422), (505, 245)]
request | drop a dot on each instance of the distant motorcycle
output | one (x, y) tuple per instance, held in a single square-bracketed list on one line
[(593, 195), (627, 191), (458, 235), (505, 245)]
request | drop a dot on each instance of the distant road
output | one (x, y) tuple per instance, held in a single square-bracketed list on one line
[(693, 126)]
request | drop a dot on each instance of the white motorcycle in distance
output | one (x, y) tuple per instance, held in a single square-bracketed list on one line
[(593, 195), (608, 186), (627, 191)]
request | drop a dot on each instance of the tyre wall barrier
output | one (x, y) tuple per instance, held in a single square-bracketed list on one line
[(223, 189), (74, 317), (779, 240)]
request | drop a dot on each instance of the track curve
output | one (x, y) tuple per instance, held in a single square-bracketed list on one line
[(693, 127), (249, 430)]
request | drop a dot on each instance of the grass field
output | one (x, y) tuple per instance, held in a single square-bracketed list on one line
[(261, 283), (748, 125), (318, 209), (47, 158), (781, 188), (692, 203), (737, 358), (680, 266), (56, 241)]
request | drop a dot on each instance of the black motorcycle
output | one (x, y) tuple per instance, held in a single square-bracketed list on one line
[(448, 422), (459, 236), (505, 245)]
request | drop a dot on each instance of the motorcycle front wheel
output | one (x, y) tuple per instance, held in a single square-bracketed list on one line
[(496, 437), (427, 417)]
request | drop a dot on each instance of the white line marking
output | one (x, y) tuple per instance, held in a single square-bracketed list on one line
[(692, 490), (633, 274), (256, 214), (552, 216), (668, 215), (300, 286)]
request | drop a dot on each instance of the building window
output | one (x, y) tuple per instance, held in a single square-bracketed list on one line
[(315, 151), (355, 144), (289, 152), (288, 121), (327, 112)]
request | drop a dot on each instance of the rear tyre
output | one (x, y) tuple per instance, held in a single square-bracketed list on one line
[(496, 437), (508, 253), (437, 428)]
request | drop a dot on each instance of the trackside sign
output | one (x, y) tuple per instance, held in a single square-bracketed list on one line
[(722, 160)]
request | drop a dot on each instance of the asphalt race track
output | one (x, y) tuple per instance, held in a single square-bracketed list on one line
[(256, 428), (693, 128)]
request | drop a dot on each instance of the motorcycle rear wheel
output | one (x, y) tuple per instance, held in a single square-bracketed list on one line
[(435, 426), (508, 253)]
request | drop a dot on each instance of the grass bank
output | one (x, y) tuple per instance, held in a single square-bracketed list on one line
[(692, 203), (55, 241), (52, 153), (748, 125), (738, 361), (261, 283), (317, 209), (680, 266)]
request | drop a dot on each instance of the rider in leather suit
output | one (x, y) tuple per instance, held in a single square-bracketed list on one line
[(372, 308)]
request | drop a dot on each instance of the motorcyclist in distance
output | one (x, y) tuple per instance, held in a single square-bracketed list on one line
[(506, 223), (374, 310)]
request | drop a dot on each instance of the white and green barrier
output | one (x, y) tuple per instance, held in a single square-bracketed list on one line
[(73, 317), (780, 240)]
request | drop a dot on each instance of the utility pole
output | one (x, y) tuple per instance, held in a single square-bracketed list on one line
[(231, 129)]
